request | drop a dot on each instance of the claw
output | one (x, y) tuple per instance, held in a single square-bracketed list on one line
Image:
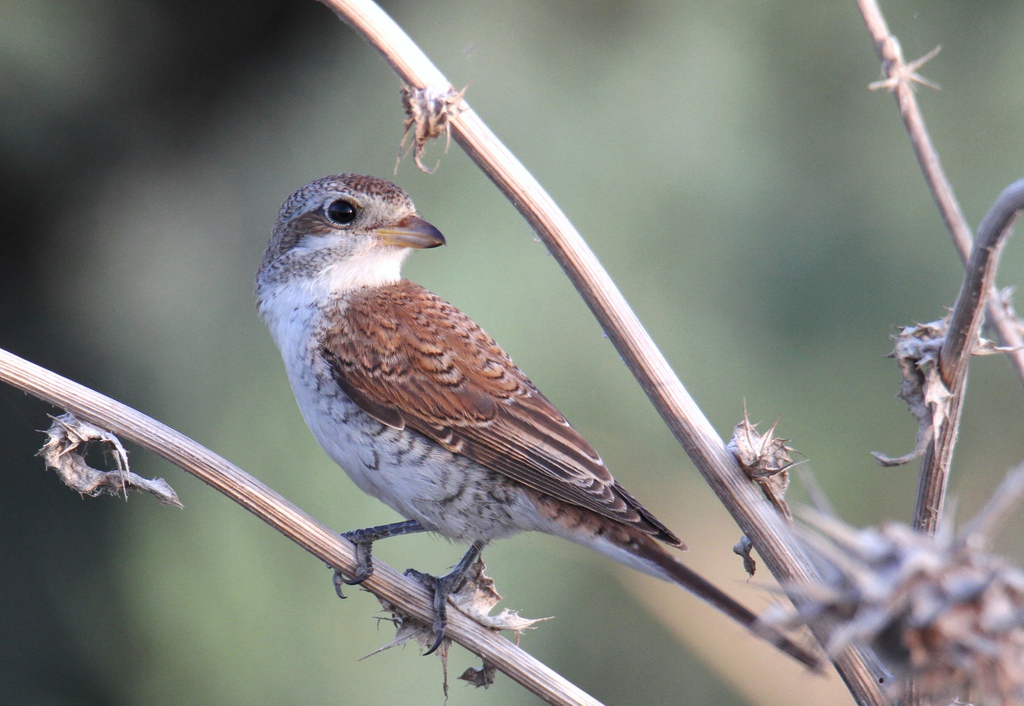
[(339, 581), (437, 643), (444, 586), (364, 564), (363, 539)]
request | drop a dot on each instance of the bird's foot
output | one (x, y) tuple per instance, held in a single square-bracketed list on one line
[(444, 586), (363, 539)]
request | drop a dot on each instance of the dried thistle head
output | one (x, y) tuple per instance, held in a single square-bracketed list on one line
[(429, 112), (937, 609), (765, 459), (923, 389)]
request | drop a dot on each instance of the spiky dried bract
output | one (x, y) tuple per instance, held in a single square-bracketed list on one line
[(765, 458), (900, 73), (475, 598), (64, 452), (429, 112), (408, 629), (1005, 302), (927, 397), (938, 609), (480, 676)]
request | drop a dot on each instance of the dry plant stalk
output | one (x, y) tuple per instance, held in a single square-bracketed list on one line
[(947, 615), (316, 538), (900, 80), (752, 512), (959, 344), (977, 295), (754, 515)]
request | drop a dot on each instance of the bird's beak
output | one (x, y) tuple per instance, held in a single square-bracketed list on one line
[(411, 232)]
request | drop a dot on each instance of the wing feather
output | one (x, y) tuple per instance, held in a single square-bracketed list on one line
[(409, 358)]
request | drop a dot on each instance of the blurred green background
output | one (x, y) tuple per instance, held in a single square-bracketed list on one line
[(757, 205)]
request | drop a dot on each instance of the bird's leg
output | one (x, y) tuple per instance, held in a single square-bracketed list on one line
[(443, 586), (364, 539)]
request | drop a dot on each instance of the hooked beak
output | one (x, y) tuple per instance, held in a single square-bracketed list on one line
[(411, 232)]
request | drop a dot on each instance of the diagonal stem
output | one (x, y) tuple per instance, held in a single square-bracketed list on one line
[(741, 497), (961, 334), (900, 79), (308, 533)]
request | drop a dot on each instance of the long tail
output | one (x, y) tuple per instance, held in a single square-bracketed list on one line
[(705, 590), (635, 548)]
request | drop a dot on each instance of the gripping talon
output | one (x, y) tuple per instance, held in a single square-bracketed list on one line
[(339, 581), (437, 643), (364, 563), (350, 582), (444, 586), (363, 540)]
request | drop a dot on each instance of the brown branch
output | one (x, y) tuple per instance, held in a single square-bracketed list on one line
[(958, 346), (308, 533), (934, 475), (755, 516), (900, 81)]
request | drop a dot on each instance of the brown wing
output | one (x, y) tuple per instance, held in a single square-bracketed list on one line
[(409, 358)]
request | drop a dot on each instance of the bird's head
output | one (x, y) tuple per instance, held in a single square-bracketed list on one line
[(343, 232)]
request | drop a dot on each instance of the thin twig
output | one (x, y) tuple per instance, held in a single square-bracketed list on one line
[(900, 81), (934, 475), (958, 346), (308, 533), (1004, 501), (968, 312), (902, 88), (755, 516)]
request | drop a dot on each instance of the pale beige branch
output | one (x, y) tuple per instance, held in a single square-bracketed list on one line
[(755, 516), (308, 533)]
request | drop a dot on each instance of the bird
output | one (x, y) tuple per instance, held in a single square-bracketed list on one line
[(425, 412)]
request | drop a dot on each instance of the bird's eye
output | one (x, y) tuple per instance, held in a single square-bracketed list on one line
[(341, 212)]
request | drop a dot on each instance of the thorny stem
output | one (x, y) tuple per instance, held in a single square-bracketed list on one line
[(968, 312), (741, 497), (317, 539), (902, 88), (934, 474), (900, 81), (958, 346)]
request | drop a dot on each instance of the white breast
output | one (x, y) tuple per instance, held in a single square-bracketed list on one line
[(415, 476)]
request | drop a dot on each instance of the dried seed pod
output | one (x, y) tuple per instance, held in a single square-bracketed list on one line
[(938, 609)]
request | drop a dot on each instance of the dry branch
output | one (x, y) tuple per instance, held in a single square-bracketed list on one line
[(755, 516), (959, 344), (308, 533), (900, 79), (966, 322), (978, 293)]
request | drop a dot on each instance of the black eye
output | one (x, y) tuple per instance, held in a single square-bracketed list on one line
[(341, 212)]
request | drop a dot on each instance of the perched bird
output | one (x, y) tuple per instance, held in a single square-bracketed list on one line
[(424, 411)]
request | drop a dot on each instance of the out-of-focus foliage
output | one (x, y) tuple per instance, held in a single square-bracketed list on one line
[(758, 206)]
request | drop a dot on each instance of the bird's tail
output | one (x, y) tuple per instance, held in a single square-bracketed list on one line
[(638, 550), (679, 573)]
